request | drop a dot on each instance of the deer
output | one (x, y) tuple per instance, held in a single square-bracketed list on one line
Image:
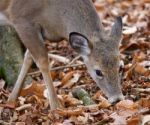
[(76, 21)]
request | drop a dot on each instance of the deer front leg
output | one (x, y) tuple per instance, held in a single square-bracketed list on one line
[(19, 83), (30, 35)]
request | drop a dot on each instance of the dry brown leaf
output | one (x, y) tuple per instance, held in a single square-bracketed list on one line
[(111, 1), (126, 104), (53, 75), (35, 99), (129, 30), (84, 118), (118, 119), (146, 1), (69, 112), (125, 4), (129, 47), (10, 105), (70, 101), (136, 68), (120, 116), (34, 89), (145, 102), (72, 80), (141, 70), (139, 56), (104, 102), (134, 120), (99, 6), (57, 123), (67, 77)]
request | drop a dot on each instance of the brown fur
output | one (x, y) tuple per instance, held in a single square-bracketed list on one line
[(57, 19)]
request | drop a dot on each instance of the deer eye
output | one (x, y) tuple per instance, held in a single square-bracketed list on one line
[(99, 73)]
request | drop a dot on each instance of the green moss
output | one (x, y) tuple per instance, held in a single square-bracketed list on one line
[(11, 54)]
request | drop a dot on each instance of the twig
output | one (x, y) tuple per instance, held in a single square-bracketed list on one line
[(25, 106), (59, 58), (142, 90), (67, 66), (56, 68), (76, 58)]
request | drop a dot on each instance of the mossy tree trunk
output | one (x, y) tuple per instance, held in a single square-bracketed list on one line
[(11, 54)]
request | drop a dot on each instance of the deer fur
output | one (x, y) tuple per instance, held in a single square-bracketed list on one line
[(74, 20)]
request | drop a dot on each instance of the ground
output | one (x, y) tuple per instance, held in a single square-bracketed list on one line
[(68, 73)]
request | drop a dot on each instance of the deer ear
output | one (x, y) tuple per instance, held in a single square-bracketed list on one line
[(80, 43), (116, 31)]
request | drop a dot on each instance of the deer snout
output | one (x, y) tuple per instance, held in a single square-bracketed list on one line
[(114, 99)]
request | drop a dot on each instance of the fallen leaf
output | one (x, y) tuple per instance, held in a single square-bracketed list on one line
[(73, 80), (70, 101), (118, 119), (134, 120), (145, 102), (10, 105), (34, 89), (69, 112), (141, 70), (129, 30), (67, 77), (126, 104), (104, 102)]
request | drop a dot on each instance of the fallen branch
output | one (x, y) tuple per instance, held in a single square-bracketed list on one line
[(23, 107), (69, 112), (56, 68), (142, 90), (59, 58), (76, 58)]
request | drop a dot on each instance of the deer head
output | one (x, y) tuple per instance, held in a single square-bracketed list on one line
[(102, 59)]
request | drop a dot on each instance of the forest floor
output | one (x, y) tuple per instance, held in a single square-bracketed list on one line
[(69, 72)]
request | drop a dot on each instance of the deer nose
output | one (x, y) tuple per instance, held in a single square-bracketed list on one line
[(115, 102), (115, 99)]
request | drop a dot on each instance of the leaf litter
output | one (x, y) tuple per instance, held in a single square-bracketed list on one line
[(32, 106)]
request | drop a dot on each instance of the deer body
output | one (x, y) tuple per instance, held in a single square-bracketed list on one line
[(73, 20)]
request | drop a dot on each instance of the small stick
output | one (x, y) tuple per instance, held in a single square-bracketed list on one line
[(25, 106), (142, 90), (68, 66), (56, 68), (76, 58), (59, 58)]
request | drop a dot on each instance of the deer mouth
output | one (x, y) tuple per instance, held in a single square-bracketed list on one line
[(114, 99)]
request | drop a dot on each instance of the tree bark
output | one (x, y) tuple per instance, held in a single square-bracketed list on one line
[(11, 54)]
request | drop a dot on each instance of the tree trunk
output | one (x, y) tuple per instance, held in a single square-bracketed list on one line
[(11, 54)]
